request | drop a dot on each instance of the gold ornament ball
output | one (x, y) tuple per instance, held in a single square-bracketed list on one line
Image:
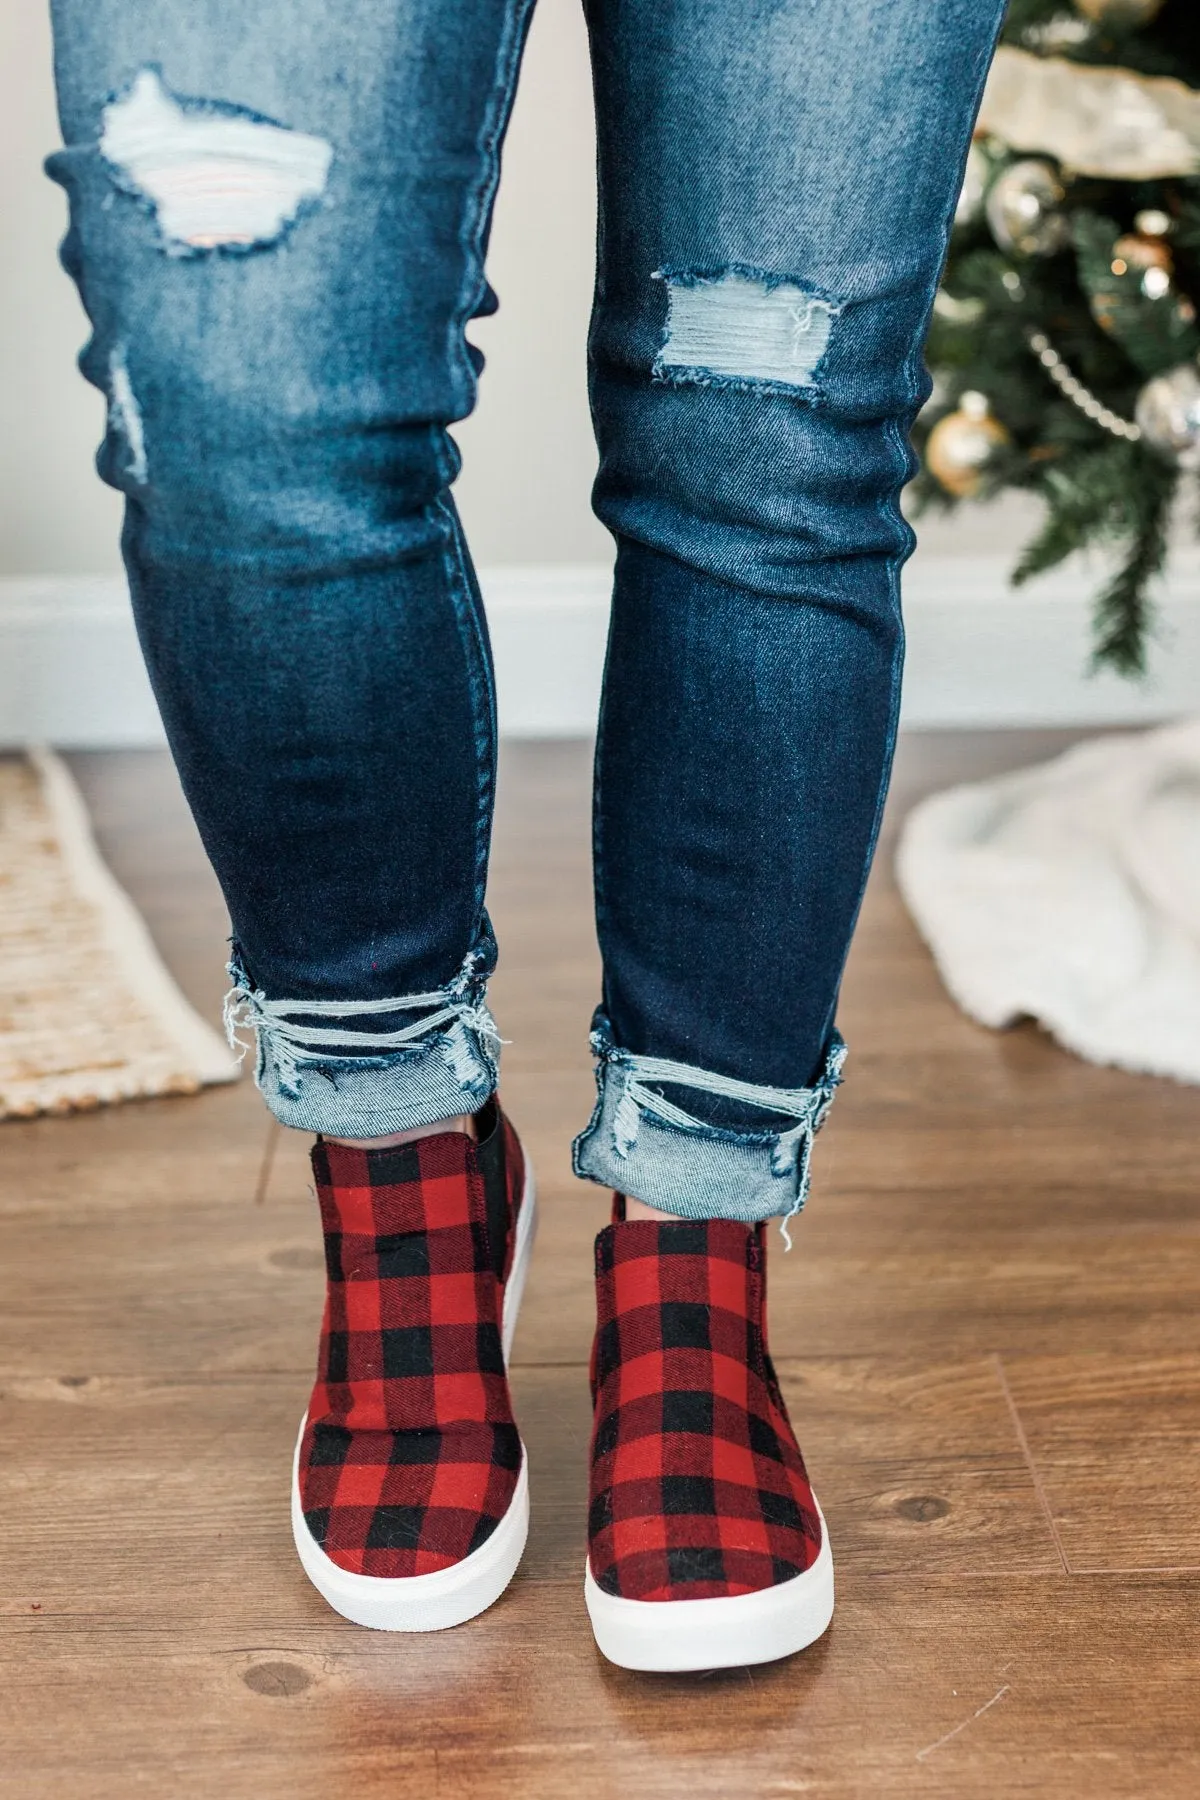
[(961, 445), (1117, 13), (1024, 208)]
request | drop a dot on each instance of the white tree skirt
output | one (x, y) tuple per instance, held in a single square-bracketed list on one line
[(88, 1013), (1070, 893)]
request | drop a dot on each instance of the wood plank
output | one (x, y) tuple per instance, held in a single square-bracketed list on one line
[(919, 1470), (160, 1153), (932, 1686), (977, 1193), (1116, 1444), (186, 1273), (217, 1284), (195, 1279), (1015, 1282)]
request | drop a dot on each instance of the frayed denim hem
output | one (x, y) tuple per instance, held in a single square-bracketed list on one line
[(640, 1143), (444, 1063)]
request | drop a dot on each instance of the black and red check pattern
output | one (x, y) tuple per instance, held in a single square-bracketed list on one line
[(410, 1455), (698, 1487)]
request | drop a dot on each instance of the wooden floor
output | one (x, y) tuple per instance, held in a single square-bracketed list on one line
[(989, 1334)]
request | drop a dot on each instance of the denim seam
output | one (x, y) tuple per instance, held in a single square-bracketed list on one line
[(60, 167), (894, 565), (482, 196), (481, 686), (599, 895), (464, 596)]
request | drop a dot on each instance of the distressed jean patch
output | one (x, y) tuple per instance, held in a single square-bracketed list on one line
[(125, 415), (216, 177), (741, 327), (444, 1062), (641, 1143)]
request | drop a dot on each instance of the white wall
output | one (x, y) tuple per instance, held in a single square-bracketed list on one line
[(528, 449)]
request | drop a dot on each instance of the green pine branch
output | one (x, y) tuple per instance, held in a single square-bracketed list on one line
[(1123, 615), (1100, 491), (1120, 493), (1155, 333)]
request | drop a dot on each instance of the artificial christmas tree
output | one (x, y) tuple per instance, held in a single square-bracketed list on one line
[(1065, 339)]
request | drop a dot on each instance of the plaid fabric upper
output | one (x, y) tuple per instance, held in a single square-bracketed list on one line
[(698, 1488), (410, 1456)]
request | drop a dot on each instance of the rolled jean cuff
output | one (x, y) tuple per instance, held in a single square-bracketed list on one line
[(641, 1144), (446, 1062)]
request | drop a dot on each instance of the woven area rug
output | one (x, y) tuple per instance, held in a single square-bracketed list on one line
[(88, 1013)]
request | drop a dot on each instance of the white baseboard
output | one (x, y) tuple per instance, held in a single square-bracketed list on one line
[(978, 653)]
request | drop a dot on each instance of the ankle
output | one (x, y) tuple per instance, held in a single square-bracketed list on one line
[(637, 1209), (464, 1122)]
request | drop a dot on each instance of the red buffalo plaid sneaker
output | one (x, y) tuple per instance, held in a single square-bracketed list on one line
[(410, 1500), (707, 1548)]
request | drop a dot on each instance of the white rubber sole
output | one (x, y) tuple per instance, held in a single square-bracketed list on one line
[(674, 1636), (447, 1597)]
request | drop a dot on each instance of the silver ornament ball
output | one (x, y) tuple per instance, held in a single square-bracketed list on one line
[(1024, 208), (1168, 412)]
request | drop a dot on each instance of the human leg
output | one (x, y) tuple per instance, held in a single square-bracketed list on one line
[(278, 222), (777, 185), (277, 421)]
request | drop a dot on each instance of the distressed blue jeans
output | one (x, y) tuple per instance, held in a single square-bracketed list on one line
[(279, 219)]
